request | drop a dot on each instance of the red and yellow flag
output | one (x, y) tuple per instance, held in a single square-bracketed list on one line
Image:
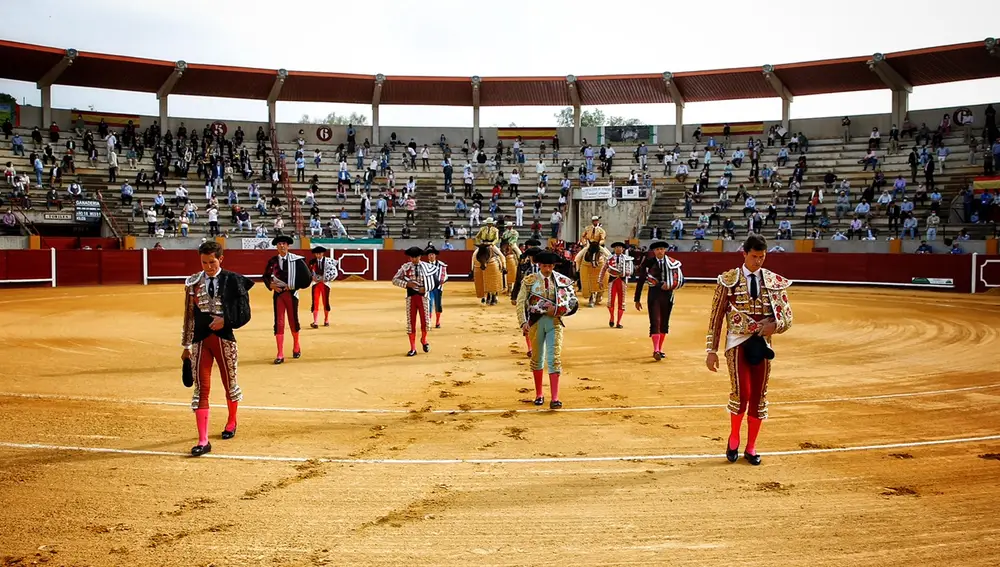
[(114, 120), (526, 133), (735, 129)]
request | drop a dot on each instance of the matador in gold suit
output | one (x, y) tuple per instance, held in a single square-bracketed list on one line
[(753, 302)]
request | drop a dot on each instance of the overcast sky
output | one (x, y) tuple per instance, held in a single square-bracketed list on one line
[(467, 37)]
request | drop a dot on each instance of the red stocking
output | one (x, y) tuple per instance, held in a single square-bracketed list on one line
[(201, 418), (413, 341), (659, 342), (527, 341), (437, 318), (554, 385), (620, 313), (655, 346), (280, 339), (295, 343), (538, 375), (423, 335), (735, 423), (753, 429), (231, 422)]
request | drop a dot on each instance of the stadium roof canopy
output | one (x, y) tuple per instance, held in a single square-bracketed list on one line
[(933, 65)]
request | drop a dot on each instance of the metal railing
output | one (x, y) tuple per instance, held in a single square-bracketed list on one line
[(294, 207)]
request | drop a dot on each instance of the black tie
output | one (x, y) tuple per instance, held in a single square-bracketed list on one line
[(211, 287), (753, 286)]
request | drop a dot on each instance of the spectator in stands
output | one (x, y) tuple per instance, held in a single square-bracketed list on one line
[(956, 248), (785, 229), (924, 248), (9, 222), (555, 221), (17, 145), (810, 215), (36, 138), (839, 236), (75, 190), (863, 208), (460, 207), (846, 124), (854, 229), (929, 173), (942, 155), (933, 221), (411, 209), (677, 229), (910, 226), (870, 159), (52, 198), (875, 139), (159, 202)]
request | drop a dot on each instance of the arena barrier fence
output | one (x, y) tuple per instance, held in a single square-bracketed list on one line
[(965, 273)]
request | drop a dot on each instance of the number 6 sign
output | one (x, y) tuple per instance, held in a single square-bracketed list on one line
[(324, 133)]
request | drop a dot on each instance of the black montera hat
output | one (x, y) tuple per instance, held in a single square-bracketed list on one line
[(546, 257), (414, 251), (282, 238), (658, 244)]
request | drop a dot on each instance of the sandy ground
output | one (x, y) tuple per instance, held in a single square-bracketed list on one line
[(99, 368)]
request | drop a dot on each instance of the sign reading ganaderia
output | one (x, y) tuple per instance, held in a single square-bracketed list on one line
[(87, 210)]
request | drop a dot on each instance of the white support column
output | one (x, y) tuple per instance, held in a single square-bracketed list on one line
[(678, 100), (783, 93), (164, 125), (901, 88), (376, 99), (678, 124), (166, 88), (577, 118), (145, 266), (476, 82), (48, 79), (574, 97), (900, 106), (272, 112), (272, 97), (46, 106)]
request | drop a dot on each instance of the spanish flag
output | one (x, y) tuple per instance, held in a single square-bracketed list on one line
[(735, 129), (526, 133), (93, 118)]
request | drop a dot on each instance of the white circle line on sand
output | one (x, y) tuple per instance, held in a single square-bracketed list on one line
[(495, 461), (496, 411)]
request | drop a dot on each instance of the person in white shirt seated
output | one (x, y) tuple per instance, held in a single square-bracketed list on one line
[(875, 139), (785, 230), (682, 173), (838, 236)]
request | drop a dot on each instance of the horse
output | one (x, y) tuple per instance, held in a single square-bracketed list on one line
[(488, 274), (591, 284), (511, 258)]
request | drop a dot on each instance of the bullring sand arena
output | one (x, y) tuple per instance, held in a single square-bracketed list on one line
[(883, 446)]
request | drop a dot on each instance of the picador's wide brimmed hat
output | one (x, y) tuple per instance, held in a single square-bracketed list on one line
[(489, 220), (282, 238), (414, 251), (546, 257)]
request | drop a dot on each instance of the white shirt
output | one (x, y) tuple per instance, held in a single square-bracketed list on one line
[(515, 178), (556, 217), (213, 215), (734, 340)]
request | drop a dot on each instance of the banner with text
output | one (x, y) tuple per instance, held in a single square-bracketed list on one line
[(626, 134), (596, 193)]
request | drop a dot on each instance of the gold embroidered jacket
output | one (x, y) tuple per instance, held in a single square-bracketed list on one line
[(732, 303)]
